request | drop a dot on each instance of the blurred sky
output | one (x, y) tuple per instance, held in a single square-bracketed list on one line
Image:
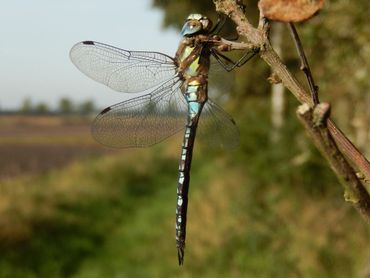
[(36, 37)]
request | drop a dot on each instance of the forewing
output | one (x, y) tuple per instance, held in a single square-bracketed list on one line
[(122, 70), (142, 121), (217, 128)]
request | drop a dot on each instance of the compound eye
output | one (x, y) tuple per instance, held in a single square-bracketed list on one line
[(191, 27)]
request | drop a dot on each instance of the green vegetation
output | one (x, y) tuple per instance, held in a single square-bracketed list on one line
[(73, 218), (26, 106), (65, 107), (257, 211), (87, 107)]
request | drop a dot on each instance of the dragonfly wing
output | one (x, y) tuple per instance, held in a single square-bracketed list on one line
[(142, 121), (122, 70), (217, 128), (218, 81)]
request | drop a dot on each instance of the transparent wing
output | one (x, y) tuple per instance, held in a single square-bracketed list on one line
[(217, 128), (142, 121), (122, 70), (219, 81)]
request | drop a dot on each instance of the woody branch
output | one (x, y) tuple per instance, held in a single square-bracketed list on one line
[(257, 38)]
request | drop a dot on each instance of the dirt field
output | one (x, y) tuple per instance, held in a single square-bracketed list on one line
[(34, 144)]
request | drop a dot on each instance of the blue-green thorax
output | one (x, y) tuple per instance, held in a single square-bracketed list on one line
[(192, 69)]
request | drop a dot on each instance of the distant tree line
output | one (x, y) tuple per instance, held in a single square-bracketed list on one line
[(65, 107)]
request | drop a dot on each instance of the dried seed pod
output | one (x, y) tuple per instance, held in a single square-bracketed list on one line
[(289, 10)]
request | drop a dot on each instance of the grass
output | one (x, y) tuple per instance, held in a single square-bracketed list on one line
[(251, 214), (65, 215), (114, 216)]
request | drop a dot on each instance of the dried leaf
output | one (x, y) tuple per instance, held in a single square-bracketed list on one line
[(289, 10)]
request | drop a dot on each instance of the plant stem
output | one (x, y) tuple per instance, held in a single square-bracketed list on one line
[(304, 63)]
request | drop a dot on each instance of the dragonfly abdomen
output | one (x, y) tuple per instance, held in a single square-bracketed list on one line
[(195, 93)]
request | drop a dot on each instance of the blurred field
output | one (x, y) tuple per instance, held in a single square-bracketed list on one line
[(35, 144), (252, 213)]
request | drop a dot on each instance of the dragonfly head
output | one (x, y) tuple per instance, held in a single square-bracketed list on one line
[(196, 23)]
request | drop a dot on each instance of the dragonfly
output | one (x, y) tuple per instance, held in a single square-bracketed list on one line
[(178, 98)]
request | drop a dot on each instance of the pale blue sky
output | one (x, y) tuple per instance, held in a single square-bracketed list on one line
[(36, 37)]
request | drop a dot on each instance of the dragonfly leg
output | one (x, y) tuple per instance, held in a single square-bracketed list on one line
[(221, 19), (228, 64)]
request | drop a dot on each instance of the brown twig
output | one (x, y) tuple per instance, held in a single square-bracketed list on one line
[(236, 45), (258, 37), (304, 64), (314, 121)]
